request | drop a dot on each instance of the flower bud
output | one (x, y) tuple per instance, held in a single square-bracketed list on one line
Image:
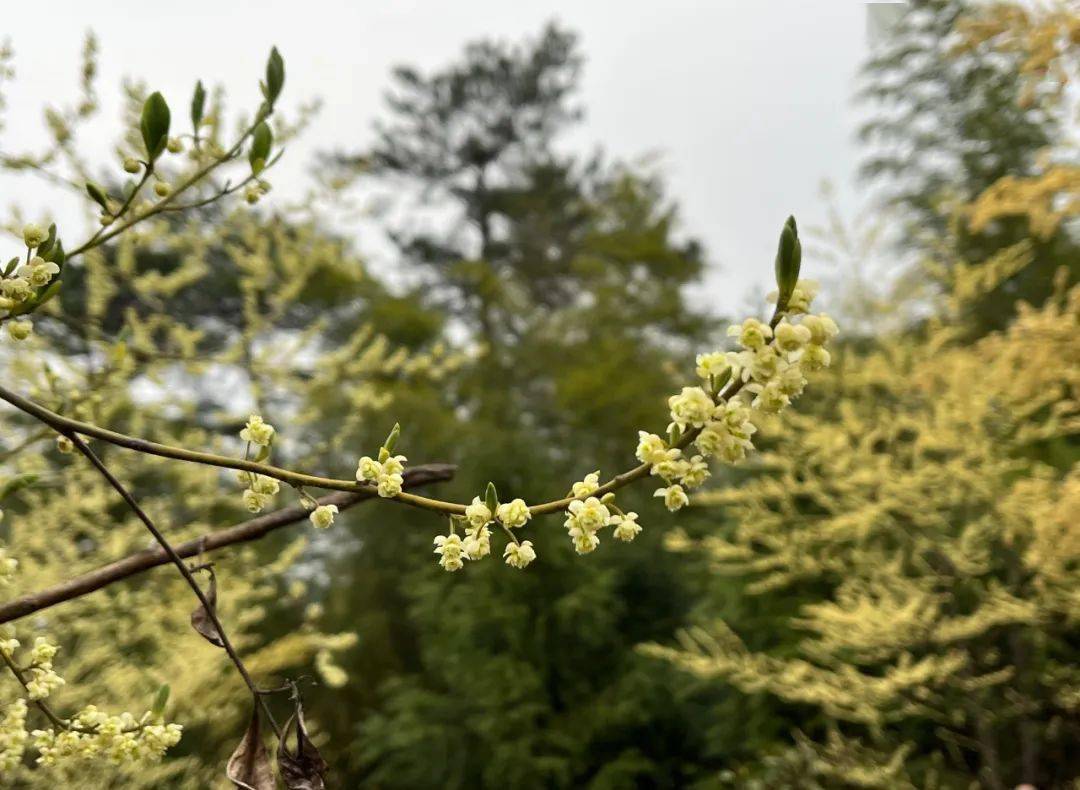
[(174, 146), (788, 261), (131, 165), (162, 189), (20, 330)]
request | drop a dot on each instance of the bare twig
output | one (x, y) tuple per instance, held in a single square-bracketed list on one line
[(246, 531)]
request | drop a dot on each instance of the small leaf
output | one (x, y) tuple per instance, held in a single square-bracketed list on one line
[(154, 124), (161, 699), (261, 140), (275, 75), (305, 768), (44, 248), (11, 265), (491, 498), (200, 618), (198, 105), (56, 254), (249, 767), (97, 195)]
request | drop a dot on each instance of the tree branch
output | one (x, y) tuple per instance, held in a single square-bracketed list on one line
[(244, 532)]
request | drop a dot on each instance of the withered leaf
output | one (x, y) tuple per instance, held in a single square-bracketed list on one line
[(249, 767), (305, 768), (200, 618)]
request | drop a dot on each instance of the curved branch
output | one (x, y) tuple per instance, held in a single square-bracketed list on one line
[(245, 531)]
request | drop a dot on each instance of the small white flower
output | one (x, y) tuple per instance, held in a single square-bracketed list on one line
[(651, 448), (514, 514), (815, 357), (693, 406), (584, 540), (20, 330), (477, 514), (449, 548), (394, 465), (38, 271), (368, 469), (752, 333), (770, 398), (588, 485), (626, 527), (791, 337), (674, 497), (822, 328), (715, 364), (389, 485), (323, 516), (518, 555), (265, 485), (255, 501), (33, 235), (477, 543), (588, 515), (257, 432), (671, 466), (697, 472)]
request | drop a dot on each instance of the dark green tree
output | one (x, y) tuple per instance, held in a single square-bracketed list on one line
[(564, 276)]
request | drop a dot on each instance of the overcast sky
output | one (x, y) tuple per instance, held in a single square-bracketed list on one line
[(747, 102)]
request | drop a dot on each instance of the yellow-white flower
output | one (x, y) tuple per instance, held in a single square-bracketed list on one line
[(38, 271), (651, 448), (584, 541), (588, 485), (626, 527), (822, 328), (588, 515), (477, 542), (323, 516), (20, 330), (693, 406), (671, 466), (477, 514), (394, 465), (368, 469), (17, 289), (518, 555), (674, 497), (449, 548), (254, 501), (513, 514), (33, 235), (791, 337), (714, 363), (696, 473), (389, 485), (752, 333), (257, 432), (770, 397)]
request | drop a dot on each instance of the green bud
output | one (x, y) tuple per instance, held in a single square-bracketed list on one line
[(154, 125), (161, 699), (275, 76), (491, 498), (198, 106), (97, 195), (788, 261), (261, 140), (131, 165), (392, 438)]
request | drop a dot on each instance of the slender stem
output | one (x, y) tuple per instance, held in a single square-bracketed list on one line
[(41, 705), (179, 563)]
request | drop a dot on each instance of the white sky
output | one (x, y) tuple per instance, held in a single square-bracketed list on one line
[(747, 102)]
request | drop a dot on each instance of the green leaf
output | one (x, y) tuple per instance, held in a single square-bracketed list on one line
[(788, 261), (160, 699), (198, 106), (56, 254), (154, 124), (275, 75), (44, 248), (491, 498), (261, 140), (97, 194), (11, 265)]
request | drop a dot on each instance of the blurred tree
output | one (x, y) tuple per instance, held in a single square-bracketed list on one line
[(949, 120)]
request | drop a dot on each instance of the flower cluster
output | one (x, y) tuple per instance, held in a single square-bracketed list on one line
[(716, 417), (453, 549), (386, 473), (587, 514), (12, 735), (20, 287), (118, 739), (259, 490)]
